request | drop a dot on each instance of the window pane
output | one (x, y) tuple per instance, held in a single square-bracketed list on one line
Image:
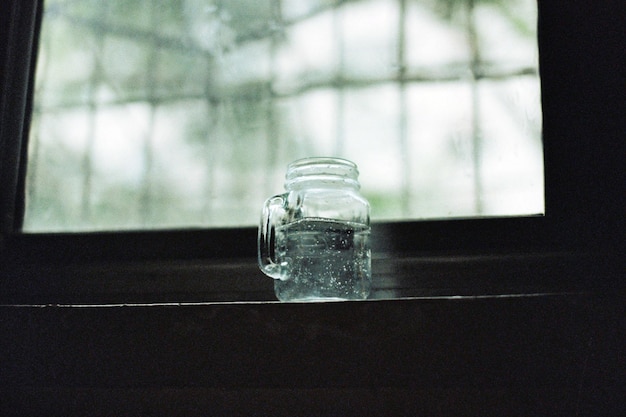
[(185, 113)]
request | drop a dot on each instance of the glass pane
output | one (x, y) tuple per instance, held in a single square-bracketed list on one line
[(185, 113)]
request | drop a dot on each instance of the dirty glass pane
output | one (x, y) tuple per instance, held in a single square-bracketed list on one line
[(185, 113)]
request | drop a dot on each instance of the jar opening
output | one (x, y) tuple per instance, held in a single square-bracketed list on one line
[(322, 166), (322, 169)]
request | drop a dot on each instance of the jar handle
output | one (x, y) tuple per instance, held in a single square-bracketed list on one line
[(273, 211)]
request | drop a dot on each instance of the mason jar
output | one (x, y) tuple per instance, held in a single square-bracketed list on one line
[(314, 239)]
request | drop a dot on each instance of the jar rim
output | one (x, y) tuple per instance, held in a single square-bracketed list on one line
[(325, 169), (330, 160)]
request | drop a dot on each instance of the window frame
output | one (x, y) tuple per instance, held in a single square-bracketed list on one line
[(582, 228)]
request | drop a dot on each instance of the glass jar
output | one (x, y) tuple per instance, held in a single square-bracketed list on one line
[(314, 240)]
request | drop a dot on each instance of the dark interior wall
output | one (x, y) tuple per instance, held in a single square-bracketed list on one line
[(583, 93)]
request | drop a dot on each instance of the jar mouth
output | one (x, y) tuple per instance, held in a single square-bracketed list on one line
[(322, 167)]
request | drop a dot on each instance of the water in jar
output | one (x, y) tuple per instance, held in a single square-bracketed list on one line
[(326, 259)]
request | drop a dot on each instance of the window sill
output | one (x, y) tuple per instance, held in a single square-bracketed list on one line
[(239, 280)]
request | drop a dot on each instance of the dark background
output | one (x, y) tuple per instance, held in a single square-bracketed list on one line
[(508, 316)]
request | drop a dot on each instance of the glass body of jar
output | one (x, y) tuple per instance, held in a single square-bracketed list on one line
[(314, 240)]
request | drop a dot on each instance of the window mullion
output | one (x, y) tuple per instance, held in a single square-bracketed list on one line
[(403, 139), (476, 72)]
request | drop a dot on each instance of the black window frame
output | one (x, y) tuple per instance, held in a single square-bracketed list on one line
[(575, 245)]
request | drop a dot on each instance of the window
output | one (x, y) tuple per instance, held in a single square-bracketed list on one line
[(175, 114), (582, 123)]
